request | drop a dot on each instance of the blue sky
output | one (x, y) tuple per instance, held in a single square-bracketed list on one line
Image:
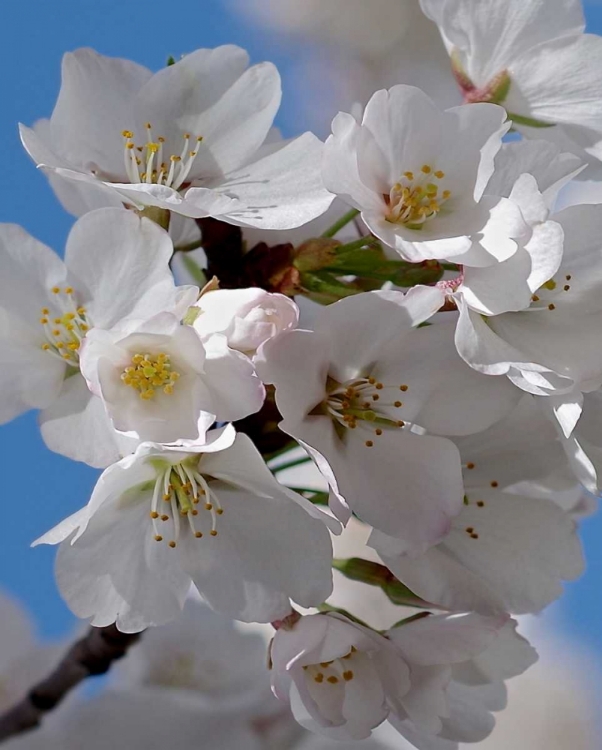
[(41, 488)]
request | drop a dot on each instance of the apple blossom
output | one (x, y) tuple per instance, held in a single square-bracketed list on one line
[(417, 174), (505, 552), (458, 664), (211, 514), (115, 268), (339, 677), (534, 59), (359, 391), (187, 139), (246, 317)]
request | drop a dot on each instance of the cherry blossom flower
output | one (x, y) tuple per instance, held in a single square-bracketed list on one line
[(458, 664), (116, 268), (360, 390), (339, 677), (158, 381), (534, 59), (550, 347), (187, 139), (246, 317), (211, 514), (505, 552), (138, 722), (202, 658), (417, 174)]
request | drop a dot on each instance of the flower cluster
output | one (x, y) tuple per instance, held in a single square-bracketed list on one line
[(403, 303)]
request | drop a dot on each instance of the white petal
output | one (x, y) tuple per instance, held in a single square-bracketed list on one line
[(255, 563), (282, 190), (93, 108), (77, 425), (123, 263), (524, 548)]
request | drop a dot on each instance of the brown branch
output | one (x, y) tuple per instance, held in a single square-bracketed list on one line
[(91, 655)]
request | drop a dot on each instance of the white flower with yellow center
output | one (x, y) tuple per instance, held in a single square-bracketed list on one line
[(210, 514), (187, 139), (159, 381), (417, 174), (339, 678), (533, 58), (116, 266), (505, 551), (536, 318), (360, 390)]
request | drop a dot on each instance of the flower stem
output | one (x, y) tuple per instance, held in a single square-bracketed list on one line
[(343, 221), (291, 464)]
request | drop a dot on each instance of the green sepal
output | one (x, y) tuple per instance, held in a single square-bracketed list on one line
[(529, 122), (370, 263), (328, 608), (325, 288), (375, 574), (413, 618)]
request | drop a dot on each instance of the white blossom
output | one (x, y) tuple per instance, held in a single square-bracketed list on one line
[(458, 664), (159, 381), (534, 59), (339, 677), (505, 551), (246, 317), (360, 390), (210, 514), (417, 174), (115, 269), (187, 139)]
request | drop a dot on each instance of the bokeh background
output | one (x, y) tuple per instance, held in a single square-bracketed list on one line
[(328, 60)]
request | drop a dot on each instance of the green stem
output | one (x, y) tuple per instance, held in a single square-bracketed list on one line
[(343, 221), (367, 241), (291, 464), (190, 246)]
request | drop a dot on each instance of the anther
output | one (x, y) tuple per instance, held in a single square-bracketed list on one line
[(566, 287), (369, 443), (332, 679), (403, 388), (470, 465), (426, 169), (551, 306), (494, 483), (398, 404), (154, 514), (378, 431), (172, 544), (348, 675), (213, 532), (480, 504), (158, 538), (198, 534)]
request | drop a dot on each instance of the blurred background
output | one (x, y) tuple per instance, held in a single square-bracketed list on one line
[(330, 53)]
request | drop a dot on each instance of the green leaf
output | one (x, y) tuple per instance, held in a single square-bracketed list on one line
[(171, 60)]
